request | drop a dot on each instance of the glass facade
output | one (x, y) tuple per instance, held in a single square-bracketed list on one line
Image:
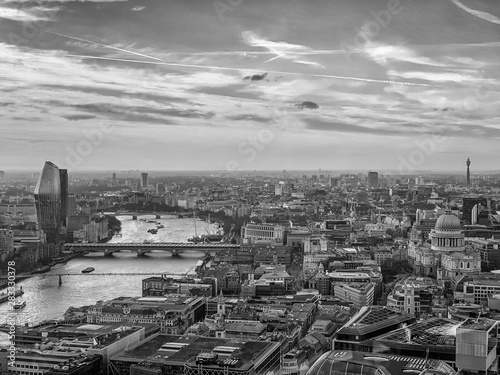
[(48, 201), (63, 177)]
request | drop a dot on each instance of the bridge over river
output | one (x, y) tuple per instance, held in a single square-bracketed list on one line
[(209, 248), (158, 215)]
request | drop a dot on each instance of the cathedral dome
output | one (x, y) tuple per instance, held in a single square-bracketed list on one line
[(448, 222)]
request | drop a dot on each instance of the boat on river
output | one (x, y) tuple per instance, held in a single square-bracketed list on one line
[(19, 305)]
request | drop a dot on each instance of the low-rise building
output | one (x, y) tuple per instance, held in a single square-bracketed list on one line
[(190, 355), (263, 232), (360, 294), (172, 315)]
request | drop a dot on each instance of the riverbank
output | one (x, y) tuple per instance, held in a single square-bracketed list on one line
[(40, 270)]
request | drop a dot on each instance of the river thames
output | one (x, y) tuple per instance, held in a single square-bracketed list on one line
[(46, 299)]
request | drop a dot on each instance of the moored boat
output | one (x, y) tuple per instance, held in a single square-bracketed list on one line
[(19, 305)]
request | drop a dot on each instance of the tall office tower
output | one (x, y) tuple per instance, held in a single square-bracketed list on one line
[(468, 171), (373, 180), (63, 177), (71, 209), (114, 179), (2, 175), (48, 201), (144, 180)]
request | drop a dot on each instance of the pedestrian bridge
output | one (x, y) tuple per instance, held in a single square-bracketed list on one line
[(175, 248)]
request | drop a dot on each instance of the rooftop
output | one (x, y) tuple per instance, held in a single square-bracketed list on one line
[(371, 318), (428, 333), (184, 348), (478, 324), (348, 362)]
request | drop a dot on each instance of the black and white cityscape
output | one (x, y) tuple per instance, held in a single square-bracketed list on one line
[(249, 187)]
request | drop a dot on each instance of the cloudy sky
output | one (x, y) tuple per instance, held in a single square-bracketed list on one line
[(182, 84)]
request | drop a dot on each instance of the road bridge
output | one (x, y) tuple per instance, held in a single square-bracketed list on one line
[(158, 215), (209, 248)]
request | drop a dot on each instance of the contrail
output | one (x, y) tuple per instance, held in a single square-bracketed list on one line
[(370, 80), (181, 65), (104, 45), (483, 15), (231, 53)]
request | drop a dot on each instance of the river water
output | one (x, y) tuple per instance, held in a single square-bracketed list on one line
[(46, 299)]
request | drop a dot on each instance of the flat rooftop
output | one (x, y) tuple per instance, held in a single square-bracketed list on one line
[(478, 324), (372, 318), (188, 347), (428, 333)]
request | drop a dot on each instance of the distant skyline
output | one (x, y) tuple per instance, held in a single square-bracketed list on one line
[(167, 85), (134, 173)]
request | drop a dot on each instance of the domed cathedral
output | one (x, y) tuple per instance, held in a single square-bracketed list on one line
[(446, 256), (447, 235)]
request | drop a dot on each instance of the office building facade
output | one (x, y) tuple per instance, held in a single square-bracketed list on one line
[(48, 201), (144, 180), (373, 180)]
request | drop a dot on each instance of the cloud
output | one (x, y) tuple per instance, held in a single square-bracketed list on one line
[(281, 50), (483, 15), (78, 117), (62, 1), (256, 77), (384, 54), (307, 104), (35, 14), (250, 117)]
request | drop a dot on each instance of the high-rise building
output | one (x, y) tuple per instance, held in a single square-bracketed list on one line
[(160, 189), (114, 179), (71, 208), (468, 205), (468, 171), (373, 180), (2, 174), (63, 177), (144, 180), (334, 182), (48, 201)]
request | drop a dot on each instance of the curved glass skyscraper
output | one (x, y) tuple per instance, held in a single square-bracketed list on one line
[(48, 201)]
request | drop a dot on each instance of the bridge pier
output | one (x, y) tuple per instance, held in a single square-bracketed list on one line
[(142, 252), (108, 253)]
